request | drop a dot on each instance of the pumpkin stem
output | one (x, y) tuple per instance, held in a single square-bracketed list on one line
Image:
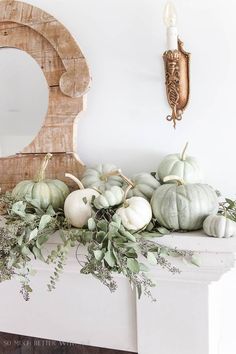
[(41, 174), (126, 193), (119, 173), (177, 179), (225, 212), (183, 154), (75, 179)]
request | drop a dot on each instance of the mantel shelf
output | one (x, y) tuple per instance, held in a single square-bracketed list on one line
[(196, 308), (197, 241)]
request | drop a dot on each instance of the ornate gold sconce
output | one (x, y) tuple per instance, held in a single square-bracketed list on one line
[(177, 81)]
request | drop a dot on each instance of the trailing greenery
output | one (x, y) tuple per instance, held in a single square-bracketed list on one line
[(107, 247)]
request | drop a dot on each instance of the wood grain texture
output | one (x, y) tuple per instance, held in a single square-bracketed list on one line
[(30, 29), (15, 344), (27, 165)]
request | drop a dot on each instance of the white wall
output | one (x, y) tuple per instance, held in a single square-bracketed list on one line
[(123, 41)]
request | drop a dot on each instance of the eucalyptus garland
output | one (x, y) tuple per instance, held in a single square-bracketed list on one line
[(109, 248)]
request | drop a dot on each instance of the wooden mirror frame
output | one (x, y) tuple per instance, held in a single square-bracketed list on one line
[(34, 31)]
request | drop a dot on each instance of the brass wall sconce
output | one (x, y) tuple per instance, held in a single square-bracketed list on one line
[(176, 61), (177, 81)]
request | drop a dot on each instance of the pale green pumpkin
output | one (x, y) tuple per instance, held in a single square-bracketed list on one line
[(183, 206), (186, 167), (101, 177), (219, 226), (143, 185), (45, 191), (109, 198)]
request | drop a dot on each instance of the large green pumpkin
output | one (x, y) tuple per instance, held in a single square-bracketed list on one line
[(184, 206), (186, 167), (46, 191)]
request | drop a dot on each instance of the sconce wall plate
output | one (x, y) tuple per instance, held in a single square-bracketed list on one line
[(177, 81)]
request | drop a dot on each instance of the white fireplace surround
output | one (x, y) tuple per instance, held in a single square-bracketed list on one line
[(194, 314)]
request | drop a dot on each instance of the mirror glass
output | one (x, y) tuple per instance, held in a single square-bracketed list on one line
[(23, 100)]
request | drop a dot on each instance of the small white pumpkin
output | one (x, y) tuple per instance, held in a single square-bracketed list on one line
[(109, 198), (76, 210), (219, 226), (135, 214), (101, 177), (144, 185), (183, 206), (186, 167)]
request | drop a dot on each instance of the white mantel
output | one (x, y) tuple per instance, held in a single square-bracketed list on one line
[(195, 311)]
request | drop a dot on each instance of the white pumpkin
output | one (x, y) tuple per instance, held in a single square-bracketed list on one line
[(186, 167), (76, 210), (219, 226), (183, 206), (144, 185), (100, 177), (135, 214), (109, 198)]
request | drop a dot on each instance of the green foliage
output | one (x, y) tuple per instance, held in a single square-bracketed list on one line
[(228, 209), (108, 247), (24, 230)]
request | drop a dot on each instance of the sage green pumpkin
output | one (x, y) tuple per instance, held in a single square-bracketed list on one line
[(219, 226), (183, 206), (109, 198), (144, 185), (46, 191), (186, 167), (101, 177)]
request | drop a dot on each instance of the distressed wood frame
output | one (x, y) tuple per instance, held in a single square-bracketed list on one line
[(34, 31)]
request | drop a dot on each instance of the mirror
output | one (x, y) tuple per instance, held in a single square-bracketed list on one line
[(24, 96)]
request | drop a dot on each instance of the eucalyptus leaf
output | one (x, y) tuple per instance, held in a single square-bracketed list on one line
[(133, 265), (110, 259), (98, 254), (127, 234), (151, 258), (163, 231), (91, 224), (102, 225), (25, 251), (38, 254), (196, 260), (131, 253), (44, 221), (41, 240), (117, 219), (20, 239), (18, 208), (50, 211), (100, 236), (33, 234), (113, 227), (33, 202)]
